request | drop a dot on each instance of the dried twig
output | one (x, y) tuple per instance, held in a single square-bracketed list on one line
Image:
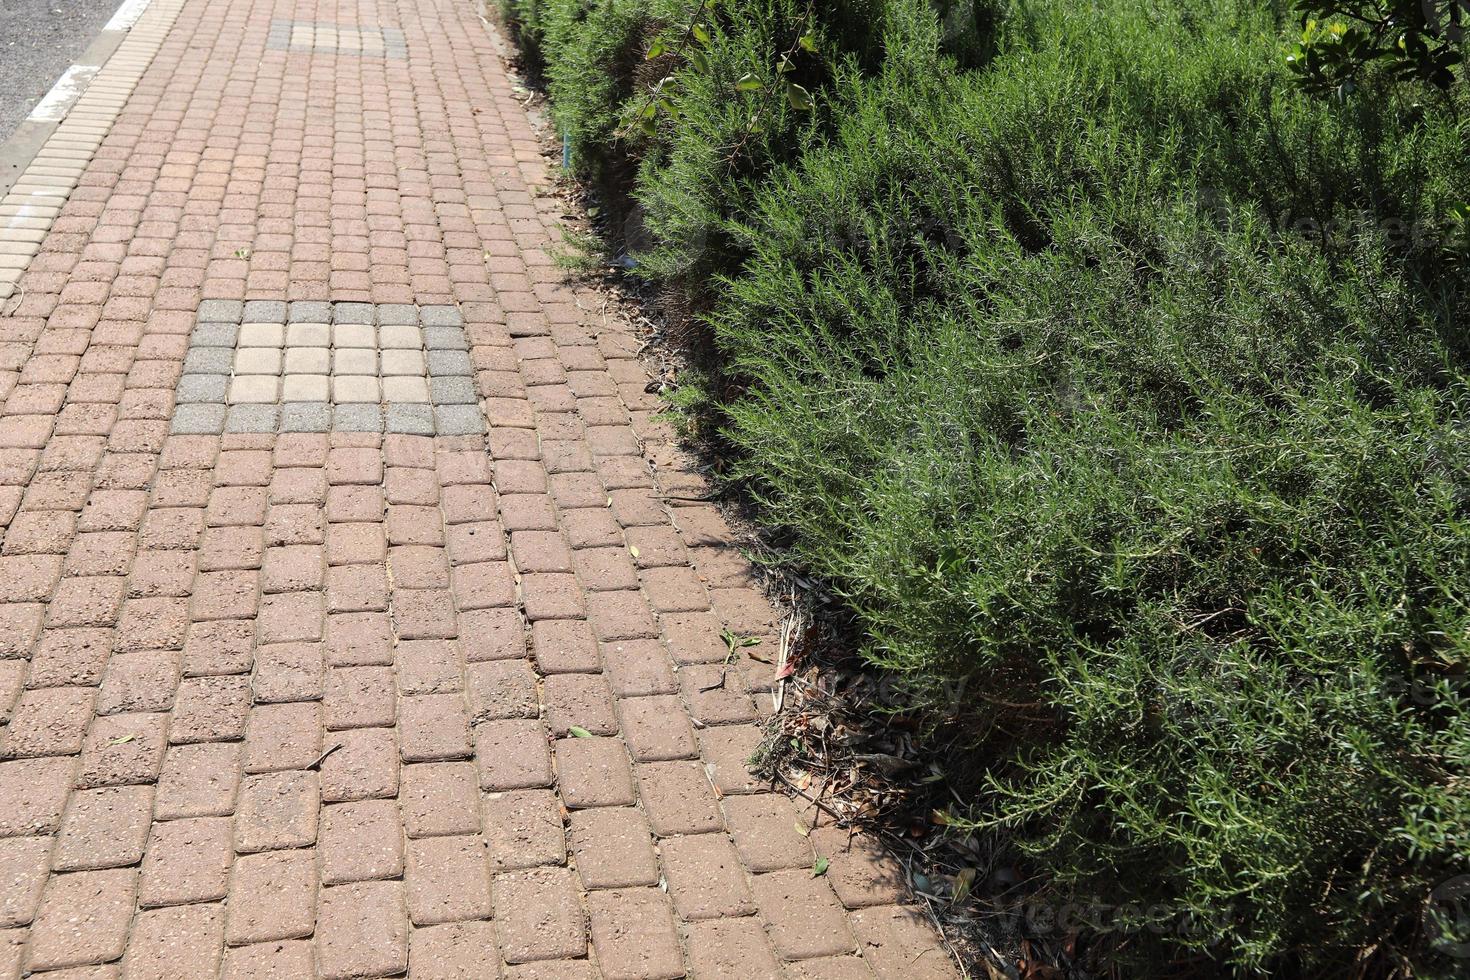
[(323, 757), (786, 629), (20, 297)]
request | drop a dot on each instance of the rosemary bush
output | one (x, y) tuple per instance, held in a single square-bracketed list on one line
[(1117, 381)]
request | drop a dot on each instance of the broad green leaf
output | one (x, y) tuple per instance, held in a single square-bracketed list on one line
[(800, 98)]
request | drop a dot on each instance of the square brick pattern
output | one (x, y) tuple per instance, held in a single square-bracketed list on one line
[(264, 366), (324, 37)]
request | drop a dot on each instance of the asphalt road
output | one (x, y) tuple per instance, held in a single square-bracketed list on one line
[(40, 39)]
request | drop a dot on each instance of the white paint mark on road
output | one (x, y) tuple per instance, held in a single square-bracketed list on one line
[(64, 93), (127, 15)]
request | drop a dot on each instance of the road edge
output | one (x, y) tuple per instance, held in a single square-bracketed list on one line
[(44, 159)]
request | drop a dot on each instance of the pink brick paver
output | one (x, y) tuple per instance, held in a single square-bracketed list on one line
[(353, 703)]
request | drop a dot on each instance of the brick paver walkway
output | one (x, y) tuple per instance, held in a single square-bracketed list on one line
[(351, 675)]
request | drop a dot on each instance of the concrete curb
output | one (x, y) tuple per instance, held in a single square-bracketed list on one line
[(47, 154)]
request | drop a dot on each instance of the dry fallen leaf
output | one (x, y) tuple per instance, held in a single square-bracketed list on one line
[(963, 882)]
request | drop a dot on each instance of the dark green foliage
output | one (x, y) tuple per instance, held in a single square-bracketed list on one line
[(1120, 388), (588, 51), (701, 170), (1410, 39)]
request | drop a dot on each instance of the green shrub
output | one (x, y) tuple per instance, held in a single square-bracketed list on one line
[(702, 176), (699, 173), (1119, 386), (1343, 39), (589, 52)]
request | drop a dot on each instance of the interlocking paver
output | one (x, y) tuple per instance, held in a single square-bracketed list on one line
[(657, 729), (634, 934), (288, 672), (362, 930), (364, 767), (539, 915), (706, 878), (579, 701), (359, 639), (188, 861), (768, 832), (123, 750), (433, 727), (492, 634), (737, 949), (332, 522), (104, 828), (553, 970), (23, 868), (83, 919), (139, 682), (276, 811), (447, 880), (181, 943), (861, 872), (477, 541), (500, 689), (802, 915), (678, 798), (512, 755), (523, 829), (564, 646), (268, 960), (198, 781), (897, 942), (455, 951), (428, 667), (49, 722), (282, 736), (358, 697), (593, 772), (613, 848), (272, 896), (361, 842), (439, 799), (717, 694)]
